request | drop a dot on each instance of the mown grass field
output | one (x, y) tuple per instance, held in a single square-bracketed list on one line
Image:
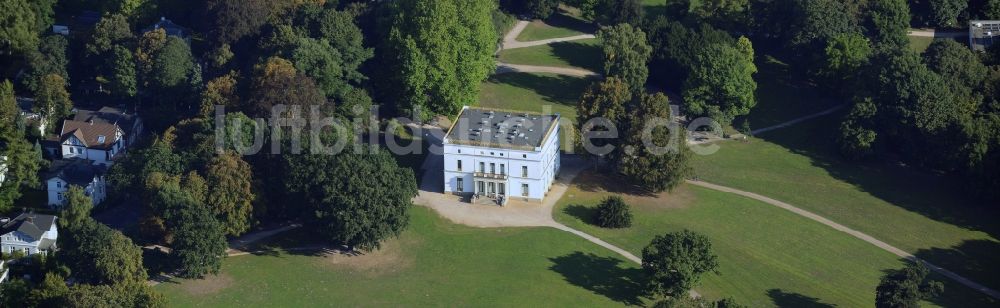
[(768, 256), (782, 96), (582, 54), (559, 25), (925, 214), (433, 263)]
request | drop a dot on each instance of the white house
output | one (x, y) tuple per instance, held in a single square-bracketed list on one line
[(493, 155), (29, 233), (99, 136), (3, 169), (78, 172)]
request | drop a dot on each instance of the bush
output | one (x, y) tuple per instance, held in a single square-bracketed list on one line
[(614, 213)]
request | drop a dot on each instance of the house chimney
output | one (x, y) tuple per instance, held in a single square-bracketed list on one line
[(91, 121)]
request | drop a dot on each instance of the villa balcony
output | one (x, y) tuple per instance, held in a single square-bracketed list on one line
[(490, 176)]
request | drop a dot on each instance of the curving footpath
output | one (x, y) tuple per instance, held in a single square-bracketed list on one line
[(855, 233), (510, 42)]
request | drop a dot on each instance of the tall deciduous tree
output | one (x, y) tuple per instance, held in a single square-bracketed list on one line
[(111, 30), (436, 53), (100, 255), (231, 193), (123, 73), (944, 13), (890, 23), (721, 84), (603, 100), (846, 54), (906, 288), (199, 240), (626, 55), (9, 110), (76, 212), (52, 100), (676, 261), (277, 82), (18, 27), (220, 91), (231, 20), (654, 155), (50, 58)]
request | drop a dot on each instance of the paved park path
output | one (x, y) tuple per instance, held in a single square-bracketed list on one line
[(510, 42), (855, 233), (799, 119), (937, 34)]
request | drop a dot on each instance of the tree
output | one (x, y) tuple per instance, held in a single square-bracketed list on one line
[(149, 47), (319, 60), (50, 58), (663, 164), (436, 53), (221, 91), (111, 30), (9, 110), (890, 25), (231, 20), (944, 13), (340, 30), (23, 163), (199, 240), (115, 295), (603, 100), (675, 262), (992, 9), (906, 287), (123, 74), (231, 192), (172, 65), (814, 22), (846, 53), (18, 27), (613, 212), (14, 293), (76, 212), (52, 100), (98, 254), (626, 55), (721, 84), (537, 9), (352, 203), (613, 12), (50, 293), (276, 82)]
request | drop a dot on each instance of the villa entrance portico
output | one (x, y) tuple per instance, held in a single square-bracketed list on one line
[(490, 188)]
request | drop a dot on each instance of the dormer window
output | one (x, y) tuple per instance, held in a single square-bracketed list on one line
[(100, 139)]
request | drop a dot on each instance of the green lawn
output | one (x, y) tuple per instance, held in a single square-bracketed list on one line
[(434, 263), (768, 256), (921, 213), (559, 25), (584, 54), (919, 43)]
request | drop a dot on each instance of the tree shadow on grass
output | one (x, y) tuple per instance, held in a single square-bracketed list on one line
[(594, 181), (789, 299), (562, 90), (602, 275), (974, 259), (579, 54), (583, 213), (569, 22)]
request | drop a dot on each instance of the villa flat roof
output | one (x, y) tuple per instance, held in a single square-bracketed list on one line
[(501, 128), (982, 33)]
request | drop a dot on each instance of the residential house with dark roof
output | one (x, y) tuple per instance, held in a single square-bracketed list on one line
[(77, 172), (99, 136), (29, 233), (170, 28)]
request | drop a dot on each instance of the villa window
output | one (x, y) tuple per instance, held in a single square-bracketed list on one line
[(524, 171), (482, 167), (503, 169), (524, 190), (493, 168), (461, 186), (459, 165)]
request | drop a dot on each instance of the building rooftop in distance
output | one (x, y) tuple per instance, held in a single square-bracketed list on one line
[(982, 34), (501, 129)]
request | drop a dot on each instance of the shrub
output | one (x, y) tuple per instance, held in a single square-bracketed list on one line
[(614, 213)]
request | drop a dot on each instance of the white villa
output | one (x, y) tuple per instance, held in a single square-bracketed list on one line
[(99, 136), (491, 155), (29, 233), (78, 172)]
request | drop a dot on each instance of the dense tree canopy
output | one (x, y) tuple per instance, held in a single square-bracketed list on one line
[(231, 192), (658, 160), (613, 212), (76, 212), (676, 261), (98, 254), (436, 53), (906, 287), (50, 58), (52, 100), (721, 85), (626, 55), (18, 27), (199, 239)]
